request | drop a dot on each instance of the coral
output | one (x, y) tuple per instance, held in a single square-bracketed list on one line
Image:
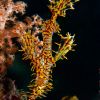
[(37, 50), (69, 98), (8, 90)]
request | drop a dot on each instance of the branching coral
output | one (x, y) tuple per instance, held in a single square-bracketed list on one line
[(7, 7), (38, 50)]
